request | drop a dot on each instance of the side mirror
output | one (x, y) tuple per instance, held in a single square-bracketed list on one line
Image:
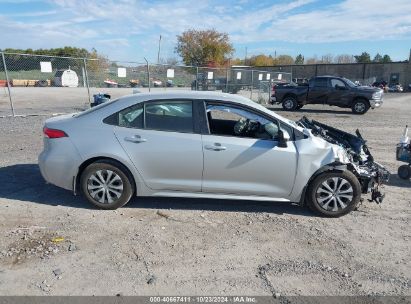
[(283, 137)]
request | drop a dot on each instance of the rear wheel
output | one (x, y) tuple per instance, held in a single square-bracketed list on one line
[(290, 103), (360, 106), (404, 171), (106, 184), (334, 194)]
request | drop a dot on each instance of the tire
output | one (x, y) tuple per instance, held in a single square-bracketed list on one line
[(119, 189), (346, 195), (404, 172), (290, 103), (42, 83), (360, 106)]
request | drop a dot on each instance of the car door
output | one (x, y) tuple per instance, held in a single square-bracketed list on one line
[(245, 163), (339, 93), (318, 90), (160, 140)]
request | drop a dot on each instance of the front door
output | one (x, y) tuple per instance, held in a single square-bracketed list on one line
[(159, 138), (339, 94), (242, 155)]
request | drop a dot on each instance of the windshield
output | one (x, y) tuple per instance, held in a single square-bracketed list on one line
[(350, 83)]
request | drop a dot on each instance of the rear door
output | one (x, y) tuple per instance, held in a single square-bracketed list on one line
[(160, 138), (318, 90)]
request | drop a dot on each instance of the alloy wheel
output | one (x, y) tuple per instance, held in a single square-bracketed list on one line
[(288, 104), (334, 194), (105, 186), (359, 107)]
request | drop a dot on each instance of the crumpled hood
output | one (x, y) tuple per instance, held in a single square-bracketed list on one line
[(350, 142)]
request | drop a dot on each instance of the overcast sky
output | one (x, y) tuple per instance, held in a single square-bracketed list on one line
[(129, 29)]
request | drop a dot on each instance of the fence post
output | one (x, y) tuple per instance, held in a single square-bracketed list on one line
[(197, 78), (8, 83), (226, 79), (252, 84), (88, 86), (148, 74)]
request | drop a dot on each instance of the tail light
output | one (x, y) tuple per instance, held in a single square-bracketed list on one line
[(273, 90), (54, 133)]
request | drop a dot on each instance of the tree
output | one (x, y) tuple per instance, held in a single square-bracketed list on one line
[(261, 60), (363, 58), (327, 58), (237, 61), (299, 59), (284, 60), (201, 48), (27, 63), (312, 60), (386, 59), (344, 58), (377, 58)]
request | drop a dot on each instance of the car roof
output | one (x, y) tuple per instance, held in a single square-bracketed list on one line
[(130, 100), (187, 94)]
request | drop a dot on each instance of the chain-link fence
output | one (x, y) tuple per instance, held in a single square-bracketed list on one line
[(38, 84)]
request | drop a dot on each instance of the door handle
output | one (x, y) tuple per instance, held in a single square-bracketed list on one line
[(135, 139), (215, 147)]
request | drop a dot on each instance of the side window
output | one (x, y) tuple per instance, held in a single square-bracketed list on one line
[(335, 83), (170, 115), (131, 117), (227, 120), (321, 83)]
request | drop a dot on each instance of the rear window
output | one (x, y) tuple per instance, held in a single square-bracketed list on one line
[(321, 82), (131, 117), (170, 115), (91, 110)]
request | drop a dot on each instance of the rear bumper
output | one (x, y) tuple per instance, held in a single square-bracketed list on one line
[(59, 162)]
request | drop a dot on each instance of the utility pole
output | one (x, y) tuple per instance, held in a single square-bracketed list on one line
[(245, 56), (159, 47)]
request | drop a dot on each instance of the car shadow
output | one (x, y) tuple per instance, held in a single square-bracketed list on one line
[(24, 182), (314, 111), (396, 181)]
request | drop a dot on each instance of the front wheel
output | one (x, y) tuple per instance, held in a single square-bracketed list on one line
[(334, 194), (360, 106), (290, 104), (106, 184)]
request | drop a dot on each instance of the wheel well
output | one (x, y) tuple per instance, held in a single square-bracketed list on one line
[(93, 160), (360, 98), (290, 95), (336, 166)]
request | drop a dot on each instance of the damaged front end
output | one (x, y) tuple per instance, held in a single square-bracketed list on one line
[(358, 158)]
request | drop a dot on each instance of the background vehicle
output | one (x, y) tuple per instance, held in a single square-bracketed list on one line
[(202, 144), (382, 84), (334, 91), (404, 155), (395, 88)]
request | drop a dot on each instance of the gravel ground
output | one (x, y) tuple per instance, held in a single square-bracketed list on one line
[(52, 243)]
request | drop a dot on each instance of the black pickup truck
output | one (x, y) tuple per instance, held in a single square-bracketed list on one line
[(334, 91)]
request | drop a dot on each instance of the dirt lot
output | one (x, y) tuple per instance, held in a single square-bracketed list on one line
[(52, 243)]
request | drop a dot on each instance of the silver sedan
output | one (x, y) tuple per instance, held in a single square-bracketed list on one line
[(202, 144)]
